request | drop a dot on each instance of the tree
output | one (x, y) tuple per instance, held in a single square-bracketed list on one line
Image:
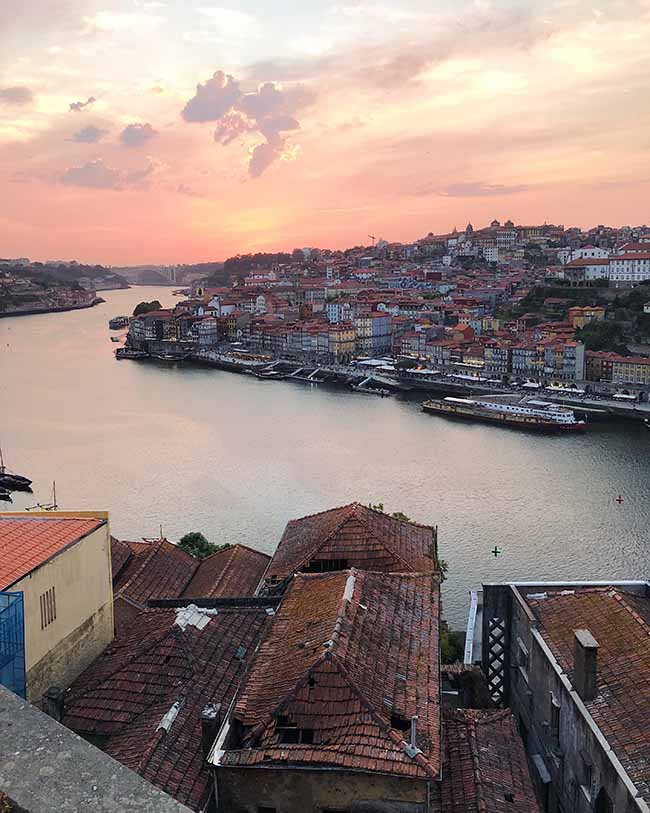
[(452, 644), (146, 307), (198, 546)]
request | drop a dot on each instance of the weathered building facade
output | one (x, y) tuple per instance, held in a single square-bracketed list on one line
[(573, 663)]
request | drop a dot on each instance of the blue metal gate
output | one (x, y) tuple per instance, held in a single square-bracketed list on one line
[(12, 642)]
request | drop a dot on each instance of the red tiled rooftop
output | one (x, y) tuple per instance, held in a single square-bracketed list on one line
[(28, 542), (347, 651), (364, 538), (620, 623), (124, 695), (235, 571), (484, 760)]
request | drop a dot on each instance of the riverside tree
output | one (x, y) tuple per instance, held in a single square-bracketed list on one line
[(198, 546)]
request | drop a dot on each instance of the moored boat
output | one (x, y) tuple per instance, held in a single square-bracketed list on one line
[(9, 481), (528, 414), (380, 391), (130, 353), (5, 495)]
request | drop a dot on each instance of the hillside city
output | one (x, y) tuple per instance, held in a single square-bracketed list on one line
[(316, 672), (506, 303)]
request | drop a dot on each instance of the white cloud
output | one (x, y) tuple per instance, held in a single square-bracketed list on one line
[(111, 22), (231, 24)]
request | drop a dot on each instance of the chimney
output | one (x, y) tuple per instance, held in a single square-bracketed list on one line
[(54, 703), (585, 664), (210, 722)]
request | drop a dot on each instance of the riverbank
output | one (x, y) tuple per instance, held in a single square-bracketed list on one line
[(52, 309), (592, 408), (193, 448)]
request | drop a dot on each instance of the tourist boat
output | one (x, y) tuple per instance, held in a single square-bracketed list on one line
[(5, 495), (530, 414), (371, 390), (118, 322), (10, 481), (130, 353), (169, 357)]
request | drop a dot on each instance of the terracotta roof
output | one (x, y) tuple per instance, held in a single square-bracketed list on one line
[(360, 536), (120, 555), (124, 695), (235, 571), (484, 768), (28, 542), (346, 652), (161, 570), (619, 622)]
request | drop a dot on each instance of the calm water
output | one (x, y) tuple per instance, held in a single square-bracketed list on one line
[(234, 457)]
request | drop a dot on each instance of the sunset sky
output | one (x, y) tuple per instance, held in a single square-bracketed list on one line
[(137, 131)]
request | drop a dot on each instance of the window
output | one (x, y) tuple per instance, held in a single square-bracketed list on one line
[(295, 736), (522, 658), (48, 607), (555, 718), (326, 565), (290, 734), (586, 773), (399, 723)]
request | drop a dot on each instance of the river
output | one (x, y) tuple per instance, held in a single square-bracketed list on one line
[(199, 449)]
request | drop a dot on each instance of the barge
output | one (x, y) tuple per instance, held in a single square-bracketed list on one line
[(528, 414)]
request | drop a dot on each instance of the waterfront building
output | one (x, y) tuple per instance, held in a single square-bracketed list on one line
[(56, 600), (631, 370), (572, 662)]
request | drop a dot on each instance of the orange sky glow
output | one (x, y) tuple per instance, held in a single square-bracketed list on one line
[(181, 131)]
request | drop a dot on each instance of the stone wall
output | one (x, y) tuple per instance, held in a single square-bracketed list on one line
[(245, 790)]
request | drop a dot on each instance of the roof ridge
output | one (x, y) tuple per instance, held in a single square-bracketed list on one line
[(154, 549), (476, 765), (396, 519), (320, 513), (158, 639), (300, 682), (401, 523), (380, 721), (348, 509), (619, 596)]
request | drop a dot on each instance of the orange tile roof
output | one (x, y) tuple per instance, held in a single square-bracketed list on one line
[(234, 571), (28, 542), (363, 537), (347, 652), (484, 763)]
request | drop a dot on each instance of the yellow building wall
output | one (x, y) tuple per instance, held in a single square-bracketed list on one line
[(83, 627)]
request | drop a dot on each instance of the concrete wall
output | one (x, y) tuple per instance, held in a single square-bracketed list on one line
[(556, 756), (83, 627), (245, 790)]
